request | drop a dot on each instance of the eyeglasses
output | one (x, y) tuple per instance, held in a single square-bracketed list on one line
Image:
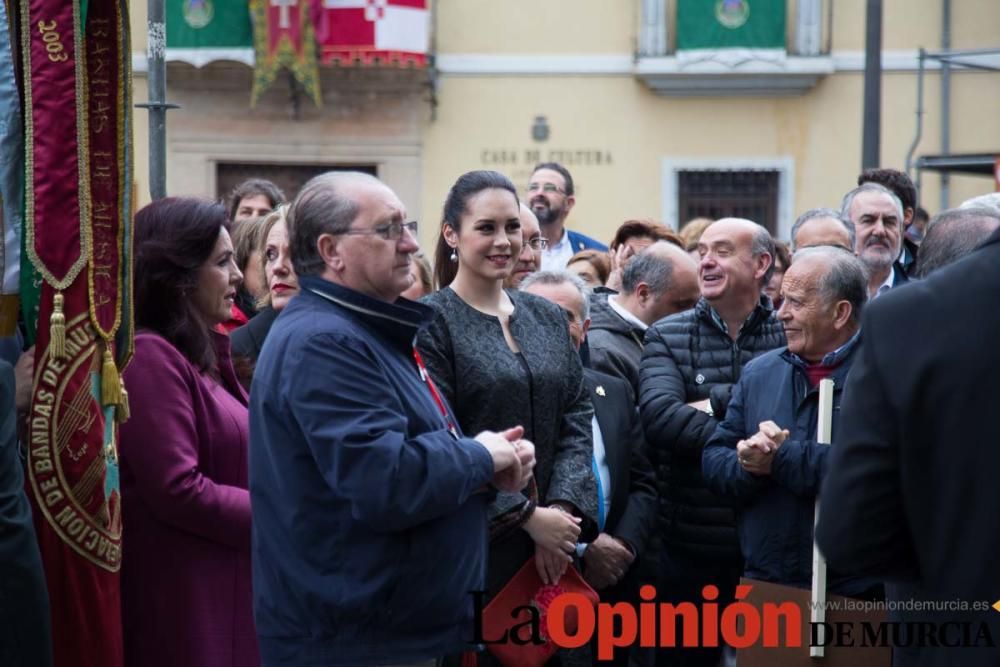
[(538, 243), (547, 187), (390, 231)]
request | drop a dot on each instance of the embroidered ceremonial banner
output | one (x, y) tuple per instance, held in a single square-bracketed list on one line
[(73, 479), (76, 89), (11, 180), (202, 31), (725, 24), (284, 37), (107, 80), (373, 32), (54, 212)]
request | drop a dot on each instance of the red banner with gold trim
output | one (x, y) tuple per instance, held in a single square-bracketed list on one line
[(76, 64), (56, 235)]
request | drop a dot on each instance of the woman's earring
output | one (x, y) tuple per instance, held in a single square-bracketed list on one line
[(454, 255)]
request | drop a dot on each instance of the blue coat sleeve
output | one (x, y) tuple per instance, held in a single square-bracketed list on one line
[(800, 465), (719, 463), (358, 434)]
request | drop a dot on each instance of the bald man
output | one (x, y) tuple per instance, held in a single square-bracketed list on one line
[(660, 281), (690, 357)]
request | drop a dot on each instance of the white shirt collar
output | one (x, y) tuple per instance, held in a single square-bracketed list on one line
[(887, 284), (557, 255), (624, 314)]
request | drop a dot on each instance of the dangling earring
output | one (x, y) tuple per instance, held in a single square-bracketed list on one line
[(454, 255)]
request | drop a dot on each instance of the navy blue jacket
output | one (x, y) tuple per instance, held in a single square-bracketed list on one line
[(25, 626), (775, 513), (578, 242), (368, 533)]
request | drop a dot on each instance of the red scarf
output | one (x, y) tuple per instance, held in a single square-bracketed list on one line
[(817, 372)]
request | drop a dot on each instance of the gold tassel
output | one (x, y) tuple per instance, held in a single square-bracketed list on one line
[(111, 384), (57, 328), (122, 412)]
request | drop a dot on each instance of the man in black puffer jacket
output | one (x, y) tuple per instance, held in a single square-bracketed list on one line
[(690, 362)]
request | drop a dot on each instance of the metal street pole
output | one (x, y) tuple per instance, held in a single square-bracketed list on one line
[(871, 132), (156, 79)]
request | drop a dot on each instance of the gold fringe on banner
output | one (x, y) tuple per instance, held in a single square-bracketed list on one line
[(57, 328), (111, 383), (122, 413)]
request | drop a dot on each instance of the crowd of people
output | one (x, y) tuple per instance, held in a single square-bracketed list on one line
[(337, 441)]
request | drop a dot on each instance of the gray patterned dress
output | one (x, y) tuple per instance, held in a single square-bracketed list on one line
[(490, 387)]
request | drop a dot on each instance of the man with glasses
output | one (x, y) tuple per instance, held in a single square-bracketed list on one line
[(550, 195), (369, 503), (530, 259)]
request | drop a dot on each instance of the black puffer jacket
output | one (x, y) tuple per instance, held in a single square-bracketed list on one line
[(687, 355)]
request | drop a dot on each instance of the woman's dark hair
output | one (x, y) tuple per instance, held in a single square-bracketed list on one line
[(455, 205), (174, 237)]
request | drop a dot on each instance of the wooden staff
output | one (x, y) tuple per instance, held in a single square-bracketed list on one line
[(824, 433)]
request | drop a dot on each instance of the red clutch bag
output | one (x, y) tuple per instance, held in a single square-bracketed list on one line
[(525, 589)]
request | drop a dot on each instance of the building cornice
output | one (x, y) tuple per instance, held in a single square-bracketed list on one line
[(607, 64)]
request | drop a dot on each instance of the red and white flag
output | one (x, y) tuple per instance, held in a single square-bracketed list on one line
[(373, 31)]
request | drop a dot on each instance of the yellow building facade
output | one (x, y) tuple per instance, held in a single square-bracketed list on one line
[(597, 85)]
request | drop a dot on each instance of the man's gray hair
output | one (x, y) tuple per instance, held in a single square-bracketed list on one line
[(990, 201), (845, 279), (763, 242), (953, 234), (320, 208), (816, 213), (845, 205), (650, 267), (561, 277)]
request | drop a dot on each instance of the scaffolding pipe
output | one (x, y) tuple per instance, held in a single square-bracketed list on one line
[(921, 59), (945, 102)]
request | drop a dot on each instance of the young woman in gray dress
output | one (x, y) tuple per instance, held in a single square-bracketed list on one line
[(503, 357)]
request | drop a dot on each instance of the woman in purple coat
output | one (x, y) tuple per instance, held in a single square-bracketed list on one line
[(186, 509)]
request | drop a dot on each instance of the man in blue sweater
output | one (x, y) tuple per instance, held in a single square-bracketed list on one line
[(369, 504)]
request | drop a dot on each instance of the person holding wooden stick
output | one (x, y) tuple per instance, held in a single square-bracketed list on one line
[(765, 454)]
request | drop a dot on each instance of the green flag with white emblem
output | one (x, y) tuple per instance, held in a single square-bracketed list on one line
[(727, 24), (200, 31)]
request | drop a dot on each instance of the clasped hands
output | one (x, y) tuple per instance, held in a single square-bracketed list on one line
[(554, 530), (756, 453), (513, 458)]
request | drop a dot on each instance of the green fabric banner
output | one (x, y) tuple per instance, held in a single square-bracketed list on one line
[(194, 24), (724, 24)]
